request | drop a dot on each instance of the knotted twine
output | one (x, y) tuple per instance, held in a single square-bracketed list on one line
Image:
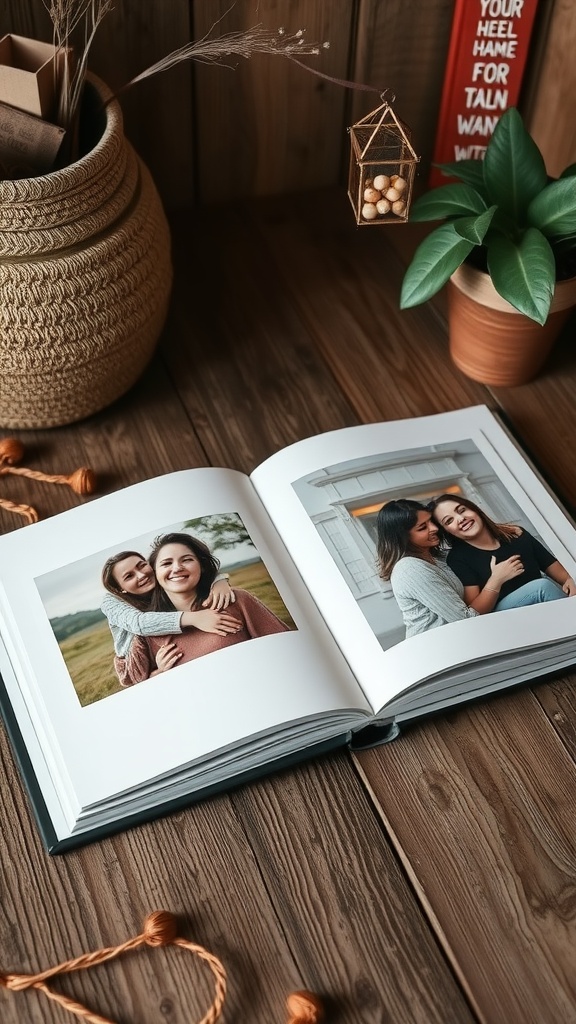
[(160, 929), (82, 481)]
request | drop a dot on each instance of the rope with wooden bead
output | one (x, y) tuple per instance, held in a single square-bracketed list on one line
[(82, 481), (160, 929)]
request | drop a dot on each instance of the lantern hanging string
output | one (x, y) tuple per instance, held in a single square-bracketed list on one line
[(344, 82)]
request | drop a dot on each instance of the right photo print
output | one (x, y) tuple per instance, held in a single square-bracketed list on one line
[(428, 536)]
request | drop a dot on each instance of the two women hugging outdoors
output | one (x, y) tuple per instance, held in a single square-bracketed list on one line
[(174, 606), (447, 560)]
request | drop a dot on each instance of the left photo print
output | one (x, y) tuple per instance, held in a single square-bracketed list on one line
[(164, 598)]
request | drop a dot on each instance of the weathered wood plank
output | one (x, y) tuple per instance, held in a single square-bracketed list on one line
[(559, 701), (30, 19), (552, 86), (268, 126), (402, 46), (158, 112), (322, 886), (485, 830), (239, 355), (345, 282)]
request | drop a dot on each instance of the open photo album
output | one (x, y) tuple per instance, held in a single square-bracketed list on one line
[(188, 633)]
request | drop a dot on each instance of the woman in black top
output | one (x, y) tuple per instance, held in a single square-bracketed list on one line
[(478, 544)]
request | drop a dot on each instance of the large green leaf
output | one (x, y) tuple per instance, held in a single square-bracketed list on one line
[(554, 209), (447, 201), (514, 170), (469, 171), (433, 263), (569, 171), (524, 273), (473, 229)]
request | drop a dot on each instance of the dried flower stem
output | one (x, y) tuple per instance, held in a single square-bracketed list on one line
[(83, 18), (68, 17), (235, 44)]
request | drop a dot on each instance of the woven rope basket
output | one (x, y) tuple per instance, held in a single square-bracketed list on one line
[(85, 278)]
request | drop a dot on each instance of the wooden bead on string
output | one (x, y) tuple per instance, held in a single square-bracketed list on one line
[(304, 1008), (11, 451), (82, 481), (160, 929)]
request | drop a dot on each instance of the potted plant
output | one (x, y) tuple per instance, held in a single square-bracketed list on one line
[(507, 249)]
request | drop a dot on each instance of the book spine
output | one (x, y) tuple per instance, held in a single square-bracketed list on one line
[(374, 735)]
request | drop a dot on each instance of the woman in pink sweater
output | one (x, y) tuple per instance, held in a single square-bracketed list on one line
[(185, 570)]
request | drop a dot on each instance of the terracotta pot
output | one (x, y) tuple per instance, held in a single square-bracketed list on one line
[(85, 277), (489, 340)]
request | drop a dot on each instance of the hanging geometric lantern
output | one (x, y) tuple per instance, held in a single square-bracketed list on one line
[(382, 168)]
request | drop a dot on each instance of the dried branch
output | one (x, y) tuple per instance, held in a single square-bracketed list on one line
[(72, 18), (238, 44)]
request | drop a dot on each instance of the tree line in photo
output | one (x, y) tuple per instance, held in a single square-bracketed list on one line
[(448, 560)]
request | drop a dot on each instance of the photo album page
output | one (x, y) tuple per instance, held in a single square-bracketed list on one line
[(325, 495), (69, 666)]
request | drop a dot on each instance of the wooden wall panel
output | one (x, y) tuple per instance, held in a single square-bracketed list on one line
[(157, 113), (551, 120), (268, 126), (401, 45), (24, 19)]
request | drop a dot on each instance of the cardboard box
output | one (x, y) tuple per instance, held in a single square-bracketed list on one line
[(27, 79), (28, 145)]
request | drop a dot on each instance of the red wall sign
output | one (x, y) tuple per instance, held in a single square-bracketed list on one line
[(486, 59)]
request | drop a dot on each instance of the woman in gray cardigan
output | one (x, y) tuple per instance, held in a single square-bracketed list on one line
[(428, 593)]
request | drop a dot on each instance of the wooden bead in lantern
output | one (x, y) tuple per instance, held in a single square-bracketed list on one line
[(369, 211)]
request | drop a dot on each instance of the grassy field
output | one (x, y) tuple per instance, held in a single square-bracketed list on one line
[(89, 654), (255, 578), (89, 657)]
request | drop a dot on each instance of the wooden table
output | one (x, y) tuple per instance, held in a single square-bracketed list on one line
[(429, 881)]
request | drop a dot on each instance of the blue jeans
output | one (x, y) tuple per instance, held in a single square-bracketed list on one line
[(534, 592)]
